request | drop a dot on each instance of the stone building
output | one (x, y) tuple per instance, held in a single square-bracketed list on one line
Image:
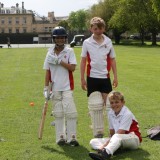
[(16, 20)]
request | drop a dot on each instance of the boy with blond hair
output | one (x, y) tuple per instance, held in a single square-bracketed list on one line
[(123, 127)]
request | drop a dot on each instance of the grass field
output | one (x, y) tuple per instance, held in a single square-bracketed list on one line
[(22, 82)]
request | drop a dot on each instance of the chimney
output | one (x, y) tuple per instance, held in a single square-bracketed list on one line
[(22, 5), (17, 5)]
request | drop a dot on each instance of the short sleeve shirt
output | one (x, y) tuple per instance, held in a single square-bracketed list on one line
[(125, 120), (98, 57), (61, 77)]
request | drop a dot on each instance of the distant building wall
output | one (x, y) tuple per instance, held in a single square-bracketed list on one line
[(17, 20)]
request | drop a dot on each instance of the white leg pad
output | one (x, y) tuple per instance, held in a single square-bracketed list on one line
[(97, 119), (108, 106), (71, 125), (95, 105), (60, 128), (59, 121), (70, 114)]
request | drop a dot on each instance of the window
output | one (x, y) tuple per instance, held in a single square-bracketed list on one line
[(9, 20), (3, 11), (50, 29), (8, 11), (34, 29), (24, 11), (17, 11), (2, 30), (17, 20), (17, 30), (24, 20), (24, 30), (2, 21), (10, 30), (46, 29)]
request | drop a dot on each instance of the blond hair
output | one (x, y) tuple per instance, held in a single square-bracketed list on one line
[(97, 21), (115, 95)]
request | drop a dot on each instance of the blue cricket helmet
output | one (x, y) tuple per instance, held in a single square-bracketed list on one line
[(59, 31)]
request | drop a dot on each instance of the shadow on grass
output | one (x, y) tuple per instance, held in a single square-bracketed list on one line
[(138, 154), (75, 153), (81, 153)]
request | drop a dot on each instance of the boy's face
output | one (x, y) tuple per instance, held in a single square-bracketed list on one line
[(60, 40), (97, 30), (116, 105)]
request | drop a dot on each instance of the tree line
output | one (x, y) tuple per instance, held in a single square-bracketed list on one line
[(121, 16)]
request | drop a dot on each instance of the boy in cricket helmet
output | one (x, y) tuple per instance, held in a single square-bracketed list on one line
[(60, 62)]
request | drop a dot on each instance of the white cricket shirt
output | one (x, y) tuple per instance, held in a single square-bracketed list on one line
[(125, 120), (62, 78), (98, 57)]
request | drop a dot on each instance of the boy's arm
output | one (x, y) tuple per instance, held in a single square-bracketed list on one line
[(47, 77), (82, 68), (114, 69), (72, 62), (70, 67), (121, 131)]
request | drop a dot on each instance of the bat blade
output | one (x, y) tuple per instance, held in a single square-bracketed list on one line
[(43, 117)]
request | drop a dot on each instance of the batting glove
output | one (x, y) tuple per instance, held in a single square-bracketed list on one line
[(53, 59), (46, 92)]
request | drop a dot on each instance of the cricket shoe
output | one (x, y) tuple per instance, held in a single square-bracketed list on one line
[(73, 143), (62, 141), (101, 155)]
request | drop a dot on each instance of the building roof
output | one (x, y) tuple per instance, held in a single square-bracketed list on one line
[(14, 9), (61, 18), (21, 10)]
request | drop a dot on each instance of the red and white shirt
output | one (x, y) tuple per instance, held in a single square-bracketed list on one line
[(98, 57), (60, 76), (125, 120)]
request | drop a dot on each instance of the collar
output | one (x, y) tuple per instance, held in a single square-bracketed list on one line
[(120, 113), (105, 42), (51, 50)]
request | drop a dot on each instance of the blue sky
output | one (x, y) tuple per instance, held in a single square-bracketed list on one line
[(60, 7)]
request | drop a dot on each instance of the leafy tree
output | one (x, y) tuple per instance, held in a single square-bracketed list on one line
[(144, 19), (77, 21), (127, 15), (153, 24), (64, 24), (119, 20), (156, 7)]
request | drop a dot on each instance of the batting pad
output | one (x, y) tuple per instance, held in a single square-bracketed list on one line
[(58, 113), (108, 106), (95, 105), (60, 128), (71, 124), (58, 110), (71, 118)]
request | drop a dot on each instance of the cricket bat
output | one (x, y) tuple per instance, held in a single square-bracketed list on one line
[(44, 111), (43, 117)]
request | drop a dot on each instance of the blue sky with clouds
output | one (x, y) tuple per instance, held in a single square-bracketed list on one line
[(60, 7)]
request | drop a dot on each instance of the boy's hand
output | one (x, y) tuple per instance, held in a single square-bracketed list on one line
[(84, 85), (46, 92), (115, 83)]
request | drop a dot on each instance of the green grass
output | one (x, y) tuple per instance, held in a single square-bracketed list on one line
[(22, 82)]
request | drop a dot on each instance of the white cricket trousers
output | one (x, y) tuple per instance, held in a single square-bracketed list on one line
[(130, 141)]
